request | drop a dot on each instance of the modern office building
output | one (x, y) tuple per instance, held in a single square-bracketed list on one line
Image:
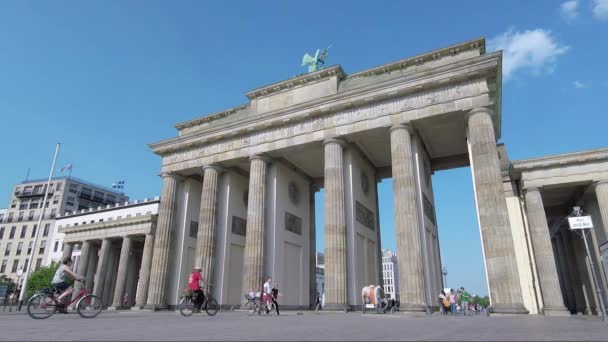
[(390, 274), (19, 223)]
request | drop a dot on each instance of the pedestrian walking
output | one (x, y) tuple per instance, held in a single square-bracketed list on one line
[(444, 303), (464, 300), (452, 299)]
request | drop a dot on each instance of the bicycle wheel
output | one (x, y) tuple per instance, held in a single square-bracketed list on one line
[(211, 307), (272, 309), (89, 306), (41, 306), (251, 308), (186, 306)]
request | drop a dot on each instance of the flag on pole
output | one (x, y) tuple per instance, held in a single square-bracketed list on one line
[(67, 167)]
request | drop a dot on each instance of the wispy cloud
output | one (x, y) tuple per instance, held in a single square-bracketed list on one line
[(579, 85), (600, 9), (533, 50), (569, 10)]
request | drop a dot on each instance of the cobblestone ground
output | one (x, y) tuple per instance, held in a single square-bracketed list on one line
[(290, 326)]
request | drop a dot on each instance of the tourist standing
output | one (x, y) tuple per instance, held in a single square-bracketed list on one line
[(444, 303), (464, 300), (452, 299)]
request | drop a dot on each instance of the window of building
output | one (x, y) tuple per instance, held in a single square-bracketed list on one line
[(3, 267), (10, 218), (73, 188), (59, 186), (56, 246), (1, 217), (47, 227), (29, 247), (23, 230), (110, 199), (19, 248), (15, 265), (27, 261), (70, 201), (23, 205), (55, 199), (82, 207), (42, 246), (34, 230), (38, 262), (86, 193), (14, 204), (46, 205), (1, 233), (30, 216), (20, 217), (53, 213), (38, 189), (11, 235), (193, 229), (98, 196), (33, 205), (7, 251)]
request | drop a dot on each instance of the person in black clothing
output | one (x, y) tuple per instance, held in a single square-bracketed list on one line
[(274, 295)]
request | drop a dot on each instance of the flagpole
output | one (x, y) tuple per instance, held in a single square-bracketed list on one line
[(46, 194)]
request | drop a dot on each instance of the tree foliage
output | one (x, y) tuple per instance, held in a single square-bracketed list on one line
[(40, 279), (4, 280), (483, 301)]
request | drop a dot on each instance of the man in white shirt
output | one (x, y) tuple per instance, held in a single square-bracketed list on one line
[(267, 291)]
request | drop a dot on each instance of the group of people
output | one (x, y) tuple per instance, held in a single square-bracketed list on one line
[(270, 294), (448, 302)]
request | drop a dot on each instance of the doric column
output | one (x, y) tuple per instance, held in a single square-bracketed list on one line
[(82, 266), (543, 254), (144, 271), (601, 191), (67, 250), (160, 256), (312, 248), (205, 239), (407, 227), (499, 251), (102, 267), (335, 227), (253, 261), (121, 278)]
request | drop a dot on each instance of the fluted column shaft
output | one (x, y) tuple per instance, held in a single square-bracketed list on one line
[(67, 250), (335, 227), (160, 257), (543, 254), (205, 240), (407, 225), (253, 262), (499, 251), (102, 267), (601, 192), (144, 271), (82, 266), (121, 278)]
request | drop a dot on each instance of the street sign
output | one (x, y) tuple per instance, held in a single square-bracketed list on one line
[(580, 222)]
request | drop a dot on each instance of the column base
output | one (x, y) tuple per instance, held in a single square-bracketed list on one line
[(137, 307), (336, 307), (115, 308), (412, 308), (156, 307), (509, 309), (556, 312)]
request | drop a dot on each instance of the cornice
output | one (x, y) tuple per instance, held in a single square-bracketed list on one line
[(469, 68), (210, 117), (108, 224), (560, 159), (297, 81)]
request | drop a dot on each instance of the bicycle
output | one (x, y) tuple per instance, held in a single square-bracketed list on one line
[(44, 304), (187, 303), (255, 305)]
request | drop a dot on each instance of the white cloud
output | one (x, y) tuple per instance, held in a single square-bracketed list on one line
[(532, 50), (600, 9), (579, 85), (569, 10)]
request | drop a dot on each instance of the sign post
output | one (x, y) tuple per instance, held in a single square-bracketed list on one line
[(583, 225)]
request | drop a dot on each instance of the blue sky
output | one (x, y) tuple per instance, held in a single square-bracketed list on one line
[(106, 78)]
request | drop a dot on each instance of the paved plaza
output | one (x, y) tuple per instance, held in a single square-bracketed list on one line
[(292, 326)]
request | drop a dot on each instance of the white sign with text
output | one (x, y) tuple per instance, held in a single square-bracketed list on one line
[(580, 222)]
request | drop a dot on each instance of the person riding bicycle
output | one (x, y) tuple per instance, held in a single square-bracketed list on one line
[(60, 282), (194, 283), (267, 297)]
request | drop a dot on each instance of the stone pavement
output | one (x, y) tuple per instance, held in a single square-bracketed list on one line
[(144, 325)]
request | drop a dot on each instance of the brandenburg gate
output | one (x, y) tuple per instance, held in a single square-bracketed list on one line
[(238, 186)]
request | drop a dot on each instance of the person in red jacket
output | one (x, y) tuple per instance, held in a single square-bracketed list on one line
[(194, 283)]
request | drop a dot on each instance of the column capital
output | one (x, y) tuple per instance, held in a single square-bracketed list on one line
[(407, 126), (171, 175), (334, 140), (261, 157), (601, 182), (215, 167), (478, 110)]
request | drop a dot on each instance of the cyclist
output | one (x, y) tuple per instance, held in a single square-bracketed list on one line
[(267, 293), (60, 282), (194, 283)]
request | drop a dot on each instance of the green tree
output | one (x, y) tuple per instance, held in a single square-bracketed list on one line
[(4, 280), (40, 279)]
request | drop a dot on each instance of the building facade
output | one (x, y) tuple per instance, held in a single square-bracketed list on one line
[(320, 274), (20, 222), (112, 246), (390, 274)]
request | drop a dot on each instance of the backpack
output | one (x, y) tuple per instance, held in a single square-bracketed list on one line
[(446, 303)]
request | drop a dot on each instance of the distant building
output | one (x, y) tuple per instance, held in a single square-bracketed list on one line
[(19, 222), (320, 261), (390, 274)]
